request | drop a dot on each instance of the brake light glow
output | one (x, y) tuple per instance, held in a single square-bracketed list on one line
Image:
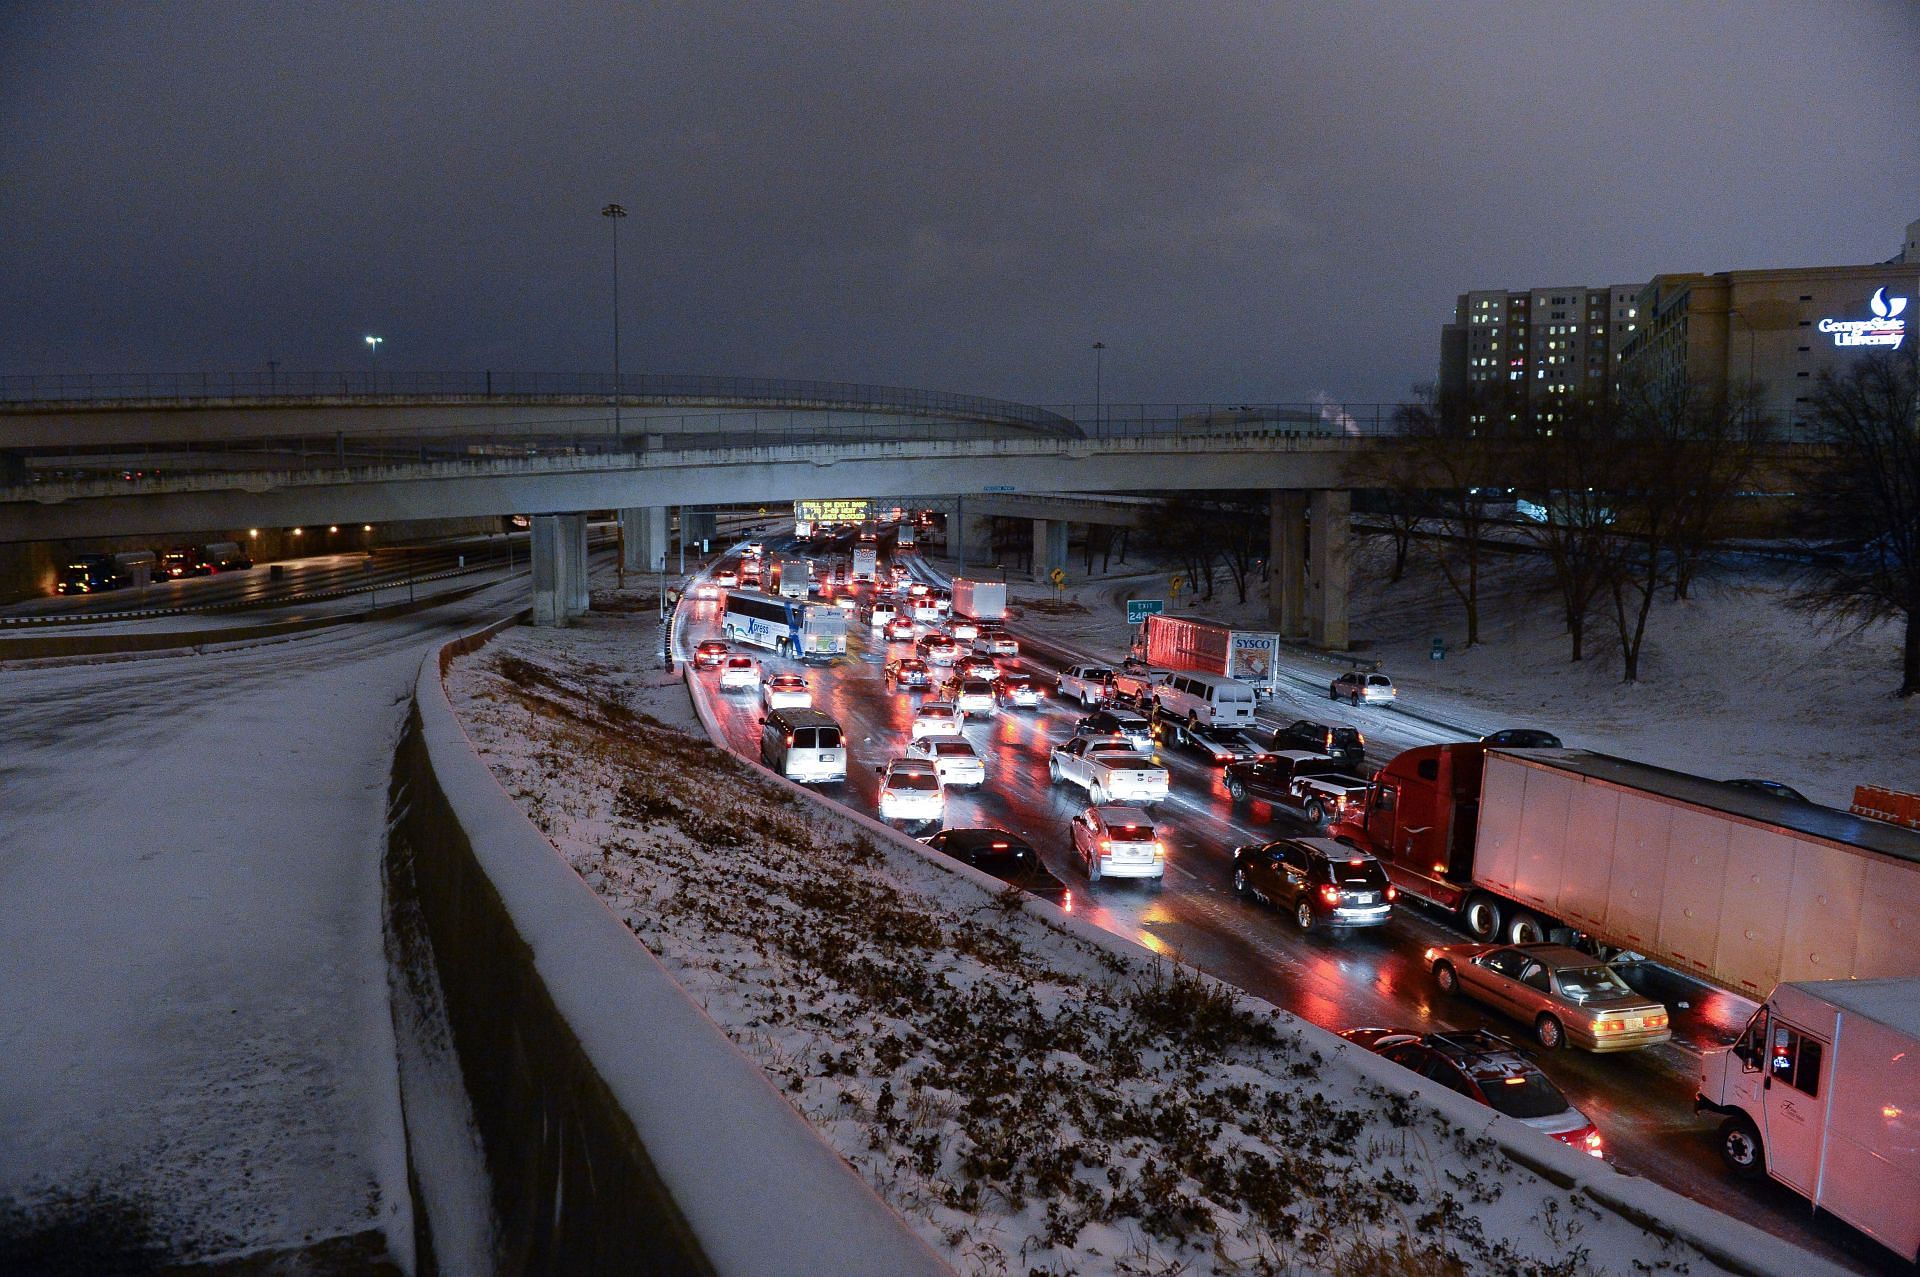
[(1159, 850), (1106, 845), (1393, 892), (1066, 901), (1609, 1026), (1330, 894)]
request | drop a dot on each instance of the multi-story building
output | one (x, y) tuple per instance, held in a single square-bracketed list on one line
[(1541, 346), (1773, 330)]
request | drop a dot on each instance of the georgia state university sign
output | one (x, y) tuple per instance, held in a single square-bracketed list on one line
[(1886, 328)]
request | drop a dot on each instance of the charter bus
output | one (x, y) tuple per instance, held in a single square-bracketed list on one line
[(789, 626)]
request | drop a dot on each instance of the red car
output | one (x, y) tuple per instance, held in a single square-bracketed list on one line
[(709, 654)]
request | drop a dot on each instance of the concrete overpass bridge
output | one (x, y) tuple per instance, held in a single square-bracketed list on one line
[(120, 457)]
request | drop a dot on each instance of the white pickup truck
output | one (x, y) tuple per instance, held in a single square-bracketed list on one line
[(1109, 769), (1084, 683)]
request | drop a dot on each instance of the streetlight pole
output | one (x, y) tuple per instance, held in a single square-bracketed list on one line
[(613, 213), (1099, 352), (373, 362)]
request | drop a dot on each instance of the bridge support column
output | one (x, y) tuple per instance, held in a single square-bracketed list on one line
[(643, 531), (1287, 562), (1049, 547), (699, 525), (1331, 570), (968, 536), (559, 568)]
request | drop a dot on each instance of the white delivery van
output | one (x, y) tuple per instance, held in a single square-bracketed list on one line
[(1205, 698), (803, 745), (1822, 1092)]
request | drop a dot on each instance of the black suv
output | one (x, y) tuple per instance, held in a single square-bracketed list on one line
[(1319, 881), (1343, 744), (1005, 856)]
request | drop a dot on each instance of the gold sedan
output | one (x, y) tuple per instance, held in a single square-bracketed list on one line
[(1568, 997)]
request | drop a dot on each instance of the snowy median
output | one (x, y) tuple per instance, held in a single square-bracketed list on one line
[(1030, 1094)]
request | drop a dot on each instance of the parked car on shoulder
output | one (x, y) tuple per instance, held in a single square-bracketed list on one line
[(1569, 997), (1217, 745), (1014, 689), (1489, 1070), (1521, 738), (1008, 857), (1131, 727), (1362, 689), (709, 654), (953, 758), (910, 792), (1345, 745), (1320, 882), (1119, 842), (908, 671)]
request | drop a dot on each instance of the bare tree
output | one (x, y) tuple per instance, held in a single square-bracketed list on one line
[(1181, 529), (1726, 447), (1863, 498), (1572, 468)]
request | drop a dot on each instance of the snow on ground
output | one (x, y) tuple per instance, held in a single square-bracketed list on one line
[(1028, 1101), (1732, 681)]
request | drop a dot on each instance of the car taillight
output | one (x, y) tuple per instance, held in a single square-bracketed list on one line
[(1609, 1026), (1330, 894), (1106, 845), (1066, 901), (1657, 1020), (1159, 850), (1393, 892)]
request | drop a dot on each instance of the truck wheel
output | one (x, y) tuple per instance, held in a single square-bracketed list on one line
[(1053, 771), (1316, 813), (1481, 917), (1547, 1031), (1236, 791), (1524, 928), (1445, 978), (1098, 796), (1303, 915), (1740, 1148)]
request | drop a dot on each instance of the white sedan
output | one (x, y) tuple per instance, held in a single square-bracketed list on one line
[(910, 792), (786, 691), (936, 718), (952, 758), (739, 674), (996, 643)]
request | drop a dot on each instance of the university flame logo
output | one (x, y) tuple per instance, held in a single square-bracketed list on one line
[(1885, 309)]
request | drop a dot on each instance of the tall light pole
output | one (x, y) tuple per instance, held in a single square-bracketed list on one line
[(613, 213), (373, 361), (1099, 353)]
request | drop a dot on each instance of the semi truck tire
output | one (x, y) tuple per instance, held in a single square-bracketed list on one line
[(1480, 915), (1524, 928), (1740, 1148)]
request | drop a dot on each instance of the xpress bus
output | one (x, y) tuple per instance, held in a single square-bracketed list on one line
[(788, 626)]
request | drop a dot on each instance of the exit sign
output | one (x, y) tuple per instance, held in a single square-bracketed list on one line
[(1138, 610)]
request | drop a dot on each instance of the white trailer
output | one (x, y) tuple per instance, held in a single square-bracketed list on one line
[(795, 577), (979, 600), (1822, 1092), (866, 562), (1205, 647), (1744, 889)]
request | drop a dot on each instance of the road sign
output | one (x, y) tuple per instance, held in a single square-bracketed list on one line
[(1058, 576), (999, 487), (1176, 581), (1138, 610)]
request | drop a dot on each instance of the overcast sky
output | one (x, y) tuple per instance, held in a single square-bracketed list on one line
[(1259, 202)]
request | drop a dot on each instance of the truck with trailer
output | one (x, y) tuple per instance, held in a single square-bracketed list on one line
[(794, 577), (979, 600), (1820, 1092), (1740, 888), (866, 561), (1205, 647), (903, 535)]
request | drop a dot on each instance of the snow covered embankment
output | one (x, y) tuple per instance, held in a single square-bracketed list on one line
[(1031, 1097)]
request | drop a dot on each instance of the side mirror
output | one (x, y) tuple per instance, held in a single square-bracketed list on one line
[(761, 721)]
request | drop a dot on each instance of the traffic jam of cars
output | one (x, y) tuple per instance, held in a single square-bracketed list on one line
[(1135, 778)]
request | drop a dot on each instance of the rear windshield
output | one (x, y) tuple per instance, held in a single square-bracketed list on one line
[(1523, 1095), (817, 738), (1233, 693), (1345, 736), (1133, 833), (915, 780), (1130, 724), (1365, 876), (1591, 982), (1097, 673), (953, 749), (1379, 680)]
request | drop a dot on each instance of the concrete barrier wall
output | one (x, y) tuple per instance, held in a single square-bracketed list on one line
[(623, 1131)]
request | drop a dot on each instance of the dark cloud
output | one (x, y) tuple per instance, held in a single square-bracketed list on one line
[(1244, 202)]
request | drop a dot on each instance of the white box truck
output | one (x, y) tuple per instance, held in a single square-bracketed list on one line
[(866, 561), (979, 600), (795, 577), (1822, 1092), (1204, 647)]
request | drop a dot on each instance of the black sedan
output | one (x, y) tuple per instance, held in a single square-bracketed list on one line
[(1521, 738), (1005, 856)]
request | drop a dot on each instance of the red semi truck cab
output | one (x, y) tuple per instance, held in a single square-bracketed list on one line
[(1419, 818)]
